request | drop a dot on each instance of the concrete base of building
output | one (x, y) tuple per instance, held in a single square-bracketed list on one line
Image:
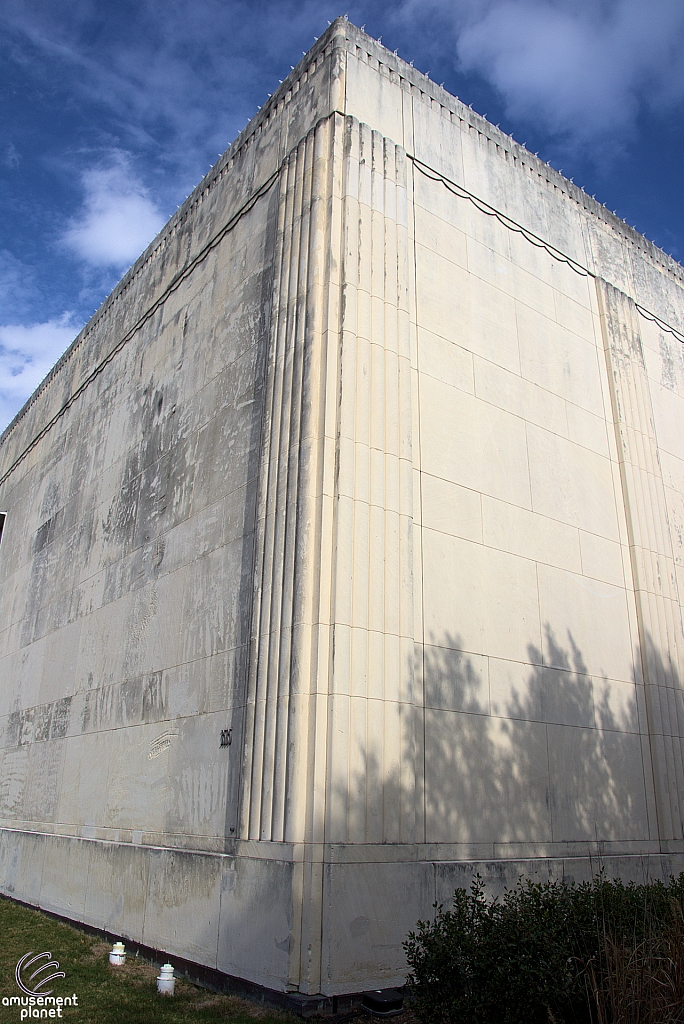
[(233, 920)]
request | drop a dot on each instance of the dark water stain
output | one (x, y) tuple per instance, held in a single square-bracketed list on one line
[(153, 705)]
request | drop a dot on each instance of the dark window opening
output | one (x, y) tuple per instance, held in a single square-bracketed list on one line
[(2, 522)]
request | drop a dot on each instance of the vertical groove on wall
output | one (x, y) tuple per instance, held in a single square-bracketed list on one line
[(280, 748), (371, 775), (661, 639)]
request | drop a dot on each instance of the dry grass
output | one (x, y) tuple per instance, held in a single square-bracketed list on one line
[(642, 982)]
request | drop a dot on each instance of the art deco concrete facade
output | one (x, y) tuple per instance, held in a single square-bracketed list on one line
[(375, 458)]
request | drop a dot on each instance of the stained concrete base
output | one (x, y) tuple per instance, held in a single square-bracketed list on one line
[(220, 919), (217, 981)]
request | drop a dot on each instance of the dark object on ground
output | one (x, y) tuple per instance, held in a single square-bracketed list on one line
[(386, 1002)]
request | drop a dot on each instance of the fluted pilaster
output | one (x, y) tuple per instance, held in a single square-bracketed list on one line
[(284, 755), (329, 714), (371, 763), (653, 569)]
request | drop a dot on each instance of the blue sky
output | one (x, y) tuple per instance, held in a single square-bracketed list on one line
[(111, 112)]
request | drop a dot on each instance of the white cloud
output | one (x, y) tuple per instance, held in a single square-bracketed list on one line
[(118, 219), (581, 69), (17, 287), (12, 157), (27, 354)]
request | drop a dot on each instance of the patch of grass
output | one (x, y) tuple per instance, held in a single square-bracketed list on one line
[(106, 994)]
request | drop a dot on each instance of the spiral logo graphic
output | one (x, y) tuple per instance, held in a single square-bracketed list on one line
[(28, 960)]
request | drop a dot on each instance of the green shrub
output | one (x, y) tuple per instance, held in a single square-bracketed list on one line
[(543, 952)]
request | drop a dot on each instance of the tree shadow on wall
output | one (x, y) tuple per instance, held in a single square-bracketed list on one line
[(514, 756), (527, 754)]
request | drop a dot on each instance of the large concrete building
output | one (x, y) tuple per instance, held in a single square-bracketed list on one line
[(344, 548)]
